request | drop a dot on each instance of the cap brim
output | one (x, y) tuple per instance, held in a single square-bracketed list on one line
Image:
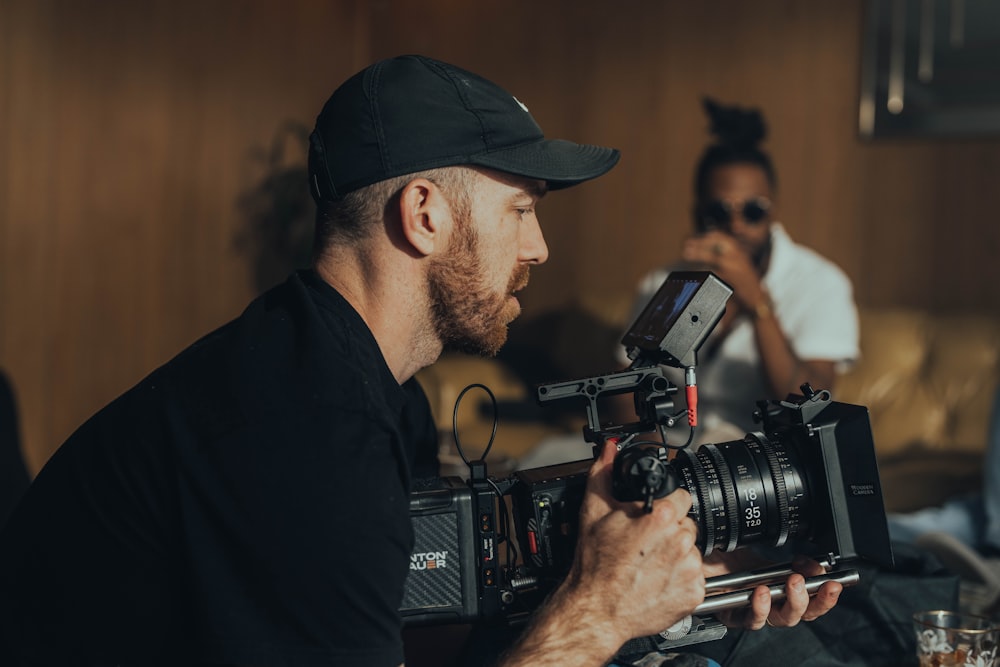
[(559, 163)]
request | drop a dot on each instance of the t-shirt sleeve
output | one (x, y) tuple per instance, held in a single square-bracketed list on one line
[(826, 326)]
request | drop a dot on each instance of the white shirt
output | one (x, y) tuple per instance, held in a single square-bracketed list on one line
[(813, 303)]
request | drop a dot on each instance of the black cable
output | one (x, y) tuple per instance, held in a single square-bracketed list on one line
[(454, 421), (504, 521), (503, 517), (663, 435)]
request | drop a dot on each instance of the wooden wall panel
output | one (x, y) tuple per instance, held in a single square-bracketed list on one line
[(909, 220), (128, 132)]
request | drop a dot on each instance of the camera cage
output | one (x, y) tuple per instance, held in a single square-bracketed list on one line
[(457, 574)]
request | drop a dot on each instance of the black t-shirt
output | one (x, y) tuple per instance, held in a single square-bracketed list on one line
[(246, 504)]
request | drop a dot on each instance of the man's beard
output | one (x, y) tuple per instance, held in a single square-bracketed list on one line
[(468, 315)]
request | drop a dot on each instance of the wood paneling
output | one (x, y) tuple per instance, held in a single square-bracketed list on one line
[(128, 132)]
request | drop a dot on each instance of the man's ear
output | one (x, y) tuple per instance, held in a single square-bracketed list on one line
[(425, 216)]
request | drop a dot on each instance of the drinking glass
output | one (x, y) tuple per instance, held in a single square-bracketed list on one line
[(953, 639)]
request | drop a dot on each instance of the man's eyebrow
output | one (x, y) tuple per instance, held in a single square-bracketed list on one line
[(536, 189)]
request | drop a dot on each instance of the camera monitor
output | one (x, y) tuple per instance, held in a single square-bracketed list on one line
[(678, 318)]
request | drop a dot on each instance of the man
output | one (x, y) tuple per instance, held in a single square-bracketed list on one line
[(791, 318), (246, 504)]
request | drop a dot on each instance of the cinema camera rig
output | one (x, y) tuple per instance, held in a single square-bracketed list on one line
[(808, 478)]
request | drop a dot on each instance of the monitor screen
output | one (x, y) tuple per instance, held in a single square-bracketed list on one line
[(678, 318)]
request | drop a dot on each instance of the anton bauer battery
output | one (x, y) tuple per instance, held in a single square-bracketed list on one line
[(453, 568)]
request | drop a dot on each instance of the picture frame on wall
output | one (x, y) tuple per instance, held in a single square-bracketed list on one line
[(930, 68)]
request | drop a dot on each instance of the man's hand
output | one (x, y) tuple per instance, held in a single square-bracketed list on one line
[(784, 371), (727, 258), (798, 605), (643, 568), (634, 574)]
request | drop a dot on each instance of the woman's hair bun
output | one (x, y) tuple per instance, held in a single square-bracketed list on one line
[(735, 126)]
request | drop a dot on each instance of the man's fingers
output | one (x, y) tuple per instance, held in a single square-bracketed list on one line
[(680, 499), (799, 606), (600, 470), (824, 600), (755, 616), (796, 603), (599, 500)]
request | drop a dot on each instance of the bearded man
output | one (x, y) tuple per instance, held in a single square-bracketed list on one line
[(247, 502)]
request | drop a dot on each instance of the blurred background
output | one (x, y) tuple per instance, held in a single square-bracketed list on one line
[(141, 141)]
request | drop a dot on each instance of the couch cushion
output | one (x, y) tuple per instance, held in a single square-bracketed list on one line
[(928, 380)]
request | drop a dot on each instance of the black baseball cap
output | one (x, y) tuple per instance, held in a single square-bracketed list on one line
[(412, 113)]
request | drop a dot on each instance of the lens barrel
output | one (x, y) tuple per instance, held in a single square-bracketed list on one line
[(754, 490), (744, 492)]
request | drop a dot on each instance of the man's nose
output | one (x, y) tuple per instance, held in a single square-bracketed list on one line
[(738, 225), (533, 249)]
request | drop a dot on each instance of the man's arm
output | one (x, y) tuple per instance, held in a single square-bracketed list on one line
[(784, 371), (634, 574)]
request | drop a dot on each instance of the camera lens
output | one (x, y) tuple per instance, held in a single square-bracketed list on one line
[(744, 492)]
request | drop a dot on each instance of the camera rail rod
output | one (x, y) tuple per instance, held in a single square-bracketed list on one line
[(738, 599), (648, 382)]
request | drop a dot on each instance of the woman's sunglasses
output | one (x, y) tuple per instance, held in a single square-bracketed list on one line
[(719, 213)]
